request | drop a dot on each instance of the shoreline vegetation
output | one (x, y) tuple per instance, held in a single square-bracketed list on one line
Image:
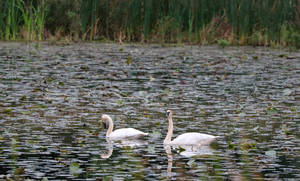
[(274, 23)]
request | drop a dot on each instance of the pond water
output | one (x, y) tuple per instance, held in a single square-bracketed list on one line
[(52, 98)]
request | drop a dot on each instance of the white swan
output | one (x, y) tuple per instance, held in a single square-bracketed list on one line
[(119, 134), (187, 138)]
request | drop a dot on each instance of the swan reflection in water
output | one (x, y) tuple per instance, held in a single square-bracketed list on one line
[(121, 144), (186, 151)]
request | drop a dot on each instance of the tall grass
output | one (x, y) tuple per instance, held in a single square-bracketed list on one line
[(257, 22), (89, 17), (11, 19), (22, 19), (40, 16), (33, 20), (28, 22)]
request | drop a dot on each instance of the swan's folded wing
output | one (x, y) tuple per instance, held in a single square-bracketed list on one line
[(126, 133), (193, 139)]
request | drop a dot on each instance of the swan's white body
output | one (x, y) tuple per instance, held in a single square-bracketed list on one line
[(119, 134), (123, 133), (193, 139), (187, 138)]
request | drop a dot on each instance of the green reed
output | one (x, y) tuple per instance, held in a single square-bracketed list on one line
[(89, 17), (11, 18), (22, 19), (28, 22), (40, 16)]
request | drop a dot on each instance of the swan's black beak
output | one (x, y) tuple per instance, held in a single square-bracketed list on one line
[(104, 125), (167, 114)]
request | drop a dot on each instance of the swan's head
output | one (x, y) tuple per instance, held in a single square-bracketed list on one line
[(169, 113), (104, 119)]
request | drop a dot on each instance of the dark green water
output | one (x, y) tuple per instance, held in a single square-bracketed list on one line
[(52, 98)]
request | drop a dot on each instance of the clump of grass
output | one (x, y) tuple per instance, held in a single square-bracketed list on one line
[(223, 43), (34, 20)]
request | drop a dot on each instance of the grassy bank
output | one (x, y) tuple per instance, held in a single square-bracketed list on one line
[(236, 22)]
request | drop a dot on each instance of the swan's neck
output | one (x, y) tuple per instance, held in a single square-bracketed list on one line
[(110, 127), (170, 131)]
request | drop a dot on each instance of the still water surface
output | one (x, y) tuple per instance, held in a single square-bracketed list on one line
[(52, 98)]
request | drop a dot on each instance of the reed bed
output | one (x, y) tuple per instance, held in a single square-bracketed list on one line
[(243, 22)]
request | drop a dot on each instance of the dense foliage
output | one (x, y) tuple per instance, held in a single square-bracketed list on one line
[(256, 22)]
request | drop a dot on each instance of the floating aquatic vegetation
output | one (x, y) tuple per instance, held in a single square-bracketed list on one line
[(247, 145), (50, 114)]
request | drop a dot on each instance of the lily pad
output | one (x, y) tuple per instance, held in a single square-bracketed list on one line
[(19, 171), (272, 110), (271, 153), (287, 92), (155, 134), (192, 163), (75, 169), (282, 55), (120, 102), (247, 145), (7, 111), (129, 61), (151, 149)]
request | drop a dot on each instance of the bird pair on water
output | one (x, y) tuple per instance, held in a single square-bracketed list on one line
[(191, 138)]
